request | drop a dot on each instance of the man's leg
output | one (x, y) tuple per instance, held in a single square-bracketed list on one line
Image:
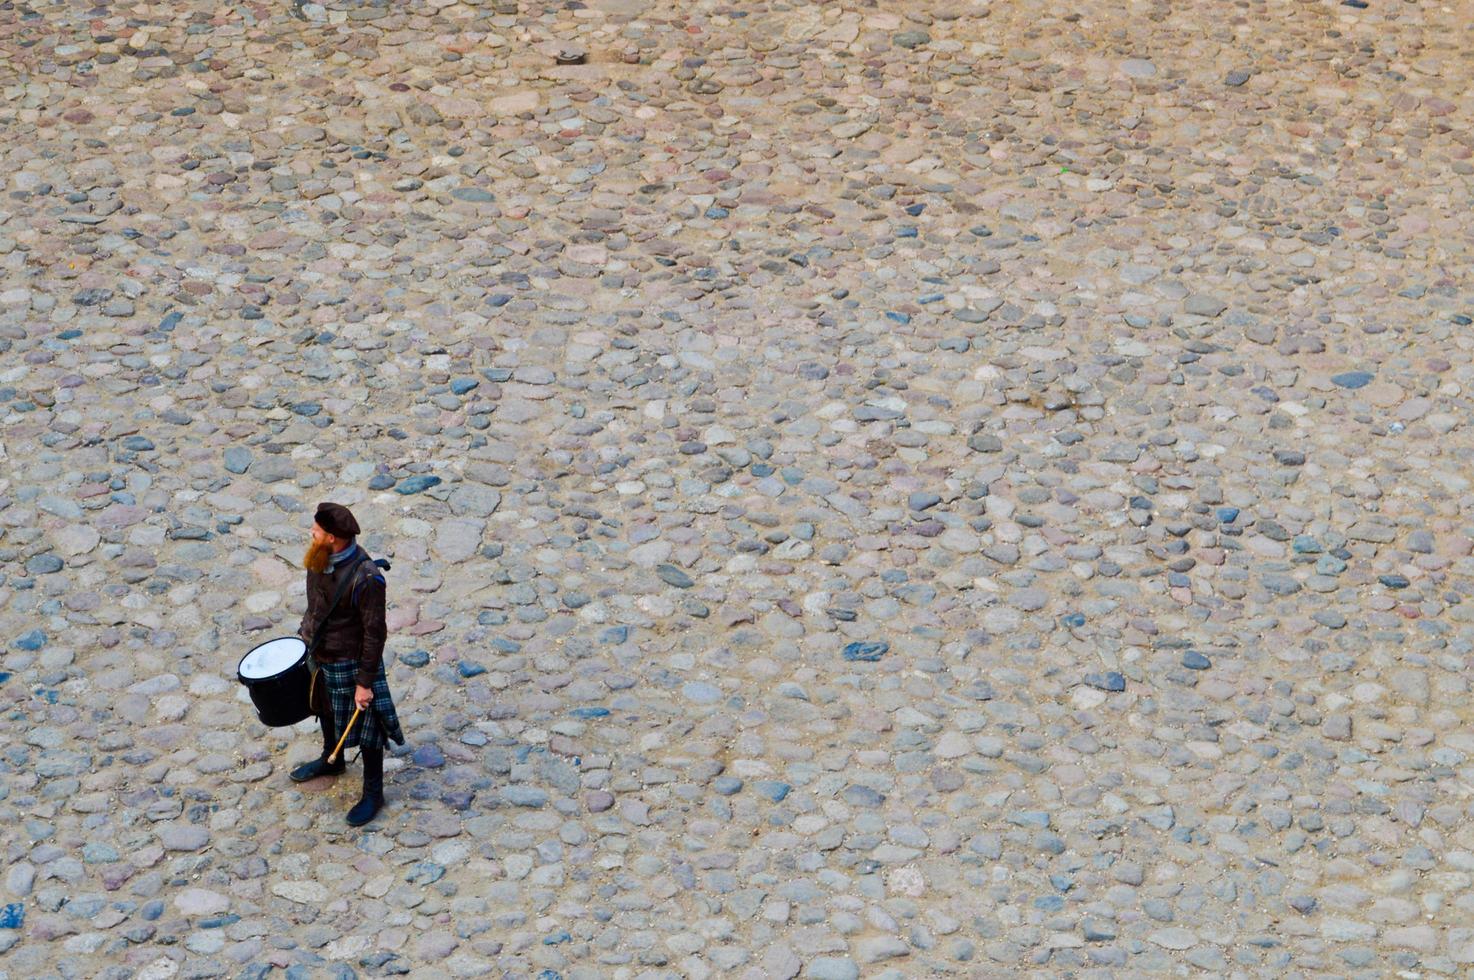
[(373, 788), (319, 766)]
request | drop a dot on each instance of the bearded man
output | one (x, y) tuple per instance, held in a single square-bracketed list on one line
[(348, 660)]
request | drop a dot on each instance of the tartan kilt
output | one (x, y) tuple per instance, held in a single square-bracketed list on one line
[(376, 726)]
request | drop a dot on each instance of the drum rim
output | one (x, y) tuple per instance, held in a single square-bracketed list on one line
[(250, 680)]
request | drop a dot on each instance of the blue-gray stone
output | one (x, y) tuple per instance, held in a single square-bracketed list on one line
[(416, 484), (727, 785), (429, 756), (922, 500), (44, 564), (1304, 904), (1193, 660), (219, 921), (476, 195), (918, 594), (614, 634), (32, 641), (237, 459), (980, 690), (1304, 544), (462, 385), (773, 789), (1227, 515), (1352, 379), (1394, 581), (470, 668), (424, 873), (414, 658), (1329, 565), (985, 442), (12, 916), (138, 444), (1108, 681), (590, 712), (553, 939), (701, 692), (1049, 842), (96, 852), (380, 481), (832, 968), (862, 796), (529, 796), (865, 651), (1281, 584), (671, 575), (1036, 819)]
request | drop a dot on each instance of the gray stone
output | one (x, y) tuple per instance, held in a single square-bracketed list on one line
[(238, 459), (671, 575), (1203, 305), (183, 837), (832, 968), (879, 948)]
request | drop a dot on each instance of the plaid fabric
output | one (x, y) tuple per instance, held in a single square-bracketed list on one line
[(377, 725)]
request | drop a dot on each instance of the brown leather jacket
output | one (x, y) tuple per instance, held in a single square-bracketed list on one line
[(356, 631)]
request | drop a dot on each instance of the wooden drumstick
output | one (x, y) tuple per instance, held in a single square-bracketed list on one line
[(333, 759)]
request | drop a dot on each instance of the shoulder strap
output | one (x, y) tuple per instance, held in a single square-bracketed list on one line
[(365, 571), (350, 574)]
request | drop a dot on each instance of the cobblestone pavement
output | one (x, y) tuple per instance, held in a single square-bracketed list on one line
[(904, 490)]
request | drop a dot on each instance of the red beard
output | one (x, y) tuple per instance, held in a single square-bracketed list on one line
[(316, 558)]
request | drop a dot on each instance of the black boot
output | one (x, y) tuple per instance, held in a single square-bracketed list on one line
[(319, 766), (373, 788)]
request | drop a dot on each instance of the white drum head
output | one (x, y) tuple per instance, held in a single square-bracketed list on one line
[(272, 657)]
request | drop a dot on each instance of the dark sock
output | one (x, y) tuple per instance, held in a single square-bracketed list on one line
[(373, 773), (373, 788), (329, 736)]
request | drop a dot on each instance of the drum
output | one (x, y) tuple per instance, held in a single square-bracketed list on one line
[(278, 679)]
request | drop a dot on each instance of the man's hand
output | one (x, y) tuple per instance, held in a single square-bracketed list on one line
[(363, 697)]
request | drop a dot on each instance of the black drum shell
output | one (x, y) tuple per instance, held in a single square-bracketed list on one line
[(281, 699)]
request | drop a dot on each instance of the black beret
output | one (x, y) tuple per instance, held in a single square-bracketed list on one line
[(337, 520)]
